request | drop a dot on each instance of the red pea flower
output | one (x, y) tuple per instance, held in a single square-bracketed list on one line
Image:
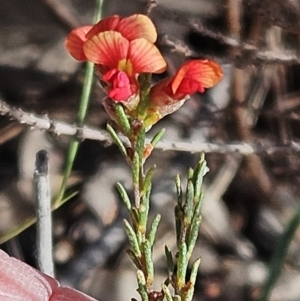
[(121, 48), (170, 94)]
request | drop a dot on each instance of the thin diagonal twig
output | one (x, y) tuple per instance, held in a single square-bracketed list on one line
[(257, 56), (254, 53)]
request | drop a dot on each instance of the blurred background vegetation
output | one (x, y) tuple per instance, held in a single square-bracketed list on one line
[(248, 125)]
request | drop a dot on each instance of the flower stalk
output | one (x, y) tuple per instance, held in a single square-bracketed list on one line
[(125, 57)]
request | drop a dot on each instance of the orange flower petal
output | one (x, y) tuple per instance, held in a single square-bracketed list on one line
[(137, 26), (145, 57), (206, 73), (107, 48), (106, 24), (75, 40)]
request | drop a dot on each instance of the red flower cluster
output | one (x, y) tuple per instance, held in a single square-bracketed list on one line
[(122, 49)]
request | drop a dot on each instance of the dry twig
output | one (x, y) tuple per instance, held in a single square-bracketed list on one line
[(62, 128)]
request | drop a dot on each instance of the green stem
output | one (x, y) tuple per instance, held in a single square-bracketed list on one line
[(86, 92), (279, 255), (72, 151), (82, 110)]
